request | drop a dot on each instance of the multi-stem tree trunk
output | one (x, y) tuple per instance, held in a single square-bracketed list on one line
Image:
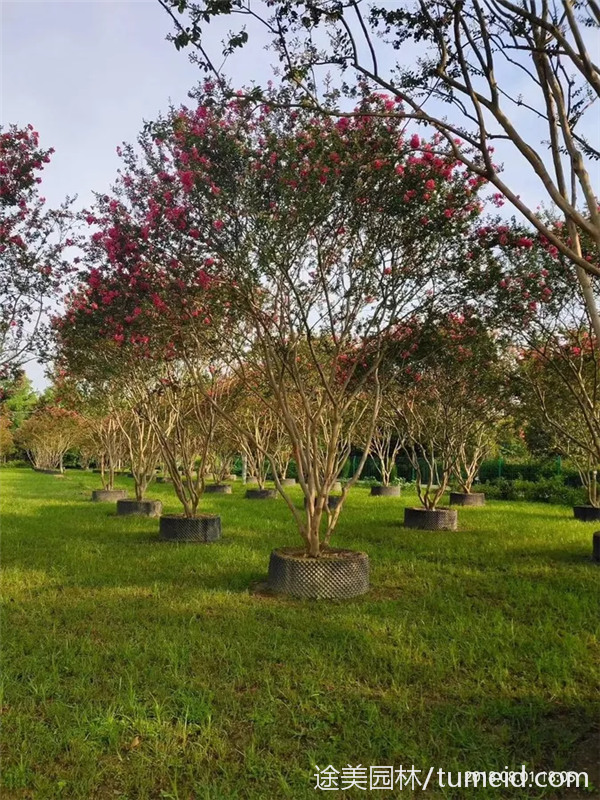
[(471, 452), (386, 445), (143, 448), (184, 426)]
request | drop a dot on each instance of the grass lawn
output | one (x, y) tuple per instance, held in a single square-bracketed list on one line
[(135, 669)]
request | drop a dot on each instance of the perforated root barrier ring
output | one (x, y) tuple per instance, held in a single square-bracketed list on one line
[(261, 494), (385, 491), (467, 499), (424, 519), (108, 495), (337, 575), (596, 546), (139, 508), (333, 501), (218, 488), (586, 513), (203, 529)]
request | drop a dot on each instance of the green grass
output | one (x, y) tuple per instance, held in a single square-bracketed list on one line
[(138, 669)]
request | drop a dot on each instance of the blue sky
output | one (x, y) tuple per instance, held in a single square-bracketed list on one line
[(86, 74)]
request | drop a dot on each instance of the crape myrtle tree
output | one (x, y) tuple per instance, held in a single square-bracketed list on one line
[(87, 449), (93, 399), (186, 425), (525, 292), (477, 445), (451, 385), (517, 73), (90, 390), (143, 448), (48, 434), (388, 438), (568, 358), (281, 449), (223, 445), (109, 441), (113, 387), (259, 430), (137, 377), (223, 451), (33, 240), (118, 429), (157, 410), (255, 436), (288, 244)]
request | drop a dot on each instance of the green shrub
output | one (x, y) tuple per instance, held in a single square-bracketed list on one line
[(18, 463), (546, 490), (493, 469)]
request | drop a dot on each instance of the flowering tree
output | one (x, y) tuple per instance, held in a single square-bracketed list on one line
[(184, 425), (93, 400), (288, 245), (33, 240), (87, 448), (527, 295), (475, 446), (109, 444), (281, 450), (522, 74), (454, 380), (113, 387), (254, 437), (561, 375), (48, 434), (149, 406), (260, 432)]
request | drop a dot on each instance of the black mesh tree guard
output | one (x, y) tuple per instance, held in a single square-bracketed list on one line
[(424, 519), (190, 529), (385, 491), (339, 574), (261, 494), (108, 495), (140, 508), (467, 499), (587, 513), (218, 488)]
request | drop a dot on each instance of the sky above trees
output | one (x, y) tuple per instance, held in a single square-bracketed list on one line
[(86, 75)]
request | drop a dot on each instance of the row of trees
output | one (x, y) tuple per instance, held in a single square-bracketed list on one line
[(446, 423), (291, 285)]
